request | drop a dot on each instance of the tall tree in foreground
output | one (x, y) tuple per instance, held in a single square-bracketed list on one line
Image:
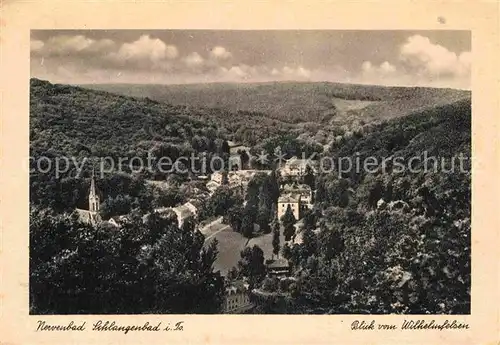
[(251, 264), (309, 178), (288, 221), (274, 187), (276, 236), (247, 223)]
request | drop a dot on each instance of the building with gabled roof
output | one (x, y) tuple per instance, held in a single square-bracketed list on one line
[(278, 267), (91, 216), (296, 167), (183, 212), (237, 297), (292, 200)]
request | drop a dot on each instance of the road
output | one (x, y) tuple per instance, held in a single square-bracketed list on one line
[(216, 232), (204, 230)]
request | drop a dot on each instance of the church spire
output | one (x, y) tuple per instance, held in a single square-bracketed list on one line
[(92, 184), (93, 197)]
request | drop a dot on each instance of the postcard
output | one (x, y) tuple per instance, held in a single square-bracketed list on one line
[(238, 173)]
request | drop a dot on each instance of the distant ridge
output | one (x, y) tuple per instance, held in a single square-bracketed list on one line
[(296, 102)]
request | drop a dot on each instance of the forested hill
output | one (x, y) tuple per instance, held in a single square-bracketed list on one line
[(297, 102), (394, 240), (70, 119)]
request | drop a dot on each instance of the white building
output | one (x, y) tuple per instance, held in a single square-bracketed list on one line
[(237, 298), (234, 147), (183, 212), (302, 189), (118, 221), (297, 196), (295, 167), (289, 200), (237, 180)]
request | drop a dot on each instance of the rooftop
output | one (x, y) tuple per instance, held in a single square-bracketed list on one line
[(295, 162), (278, 263), (237, 286), (87, 216), (294, 186), (289, 198), (183, 211)]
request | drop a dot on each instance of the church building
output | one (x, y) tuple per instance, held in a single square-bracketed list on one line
[(91, 216)]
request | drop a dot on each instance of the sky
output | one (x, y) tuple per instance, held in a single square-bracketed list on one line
[(398, 58)]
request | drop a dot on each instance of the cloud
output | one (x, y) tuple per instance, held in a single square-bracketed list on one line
[(220, 53), (433, 59), (385, 68), (293, 73), (194, 60), (260, 73), (420, 63), (238, 71), (145, 58), (146, 49), (68, 45), (241, 72), (36, 45)]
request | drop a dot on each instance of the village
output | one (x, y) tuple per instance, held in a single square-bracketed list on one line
[(294, 196)]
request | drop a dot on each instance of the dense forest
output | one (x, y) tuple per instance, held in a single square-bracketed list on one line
[(292, 102), (392, 241), (389, 241), (147, 266)]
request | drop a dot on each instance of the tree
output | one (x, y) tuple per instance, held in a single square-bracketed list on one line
[(225, 147), (270, 284), (309, 220), (370, 191), (309, 178), (254, 189), (168, 197), (77, 268), (288, 220), (265, 206), (221, 147), (286, 251), (276, 237), (120, 205), (321, 194), (225, 178), (249, 218), (251, 264), (247, 224), (274, 188), (222, 200), (245, 158), (309, 243), (233, 217), (263, 219), (233, 274)]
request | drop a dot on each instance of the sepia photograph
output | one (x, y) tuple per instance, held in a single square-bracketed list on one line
[(250, 172)]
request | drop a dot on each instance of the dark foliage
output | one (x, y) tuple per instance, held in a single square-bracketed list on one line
[(143, 267)]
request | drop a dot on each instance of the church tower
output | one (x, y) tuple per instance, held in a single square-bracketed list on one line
[(93, 197)]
